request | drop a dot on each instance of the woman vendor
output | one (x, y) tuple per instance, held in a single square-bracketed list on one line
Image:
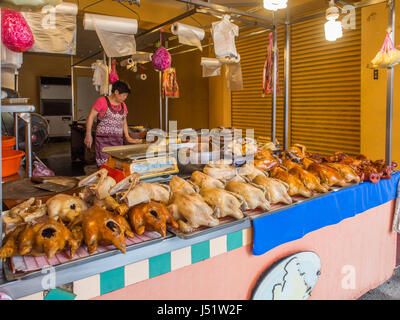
[(112, 126)]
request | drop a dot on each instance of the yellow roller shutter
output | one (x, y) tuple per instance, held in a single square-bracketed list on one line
[(325, 88), (249, 109)]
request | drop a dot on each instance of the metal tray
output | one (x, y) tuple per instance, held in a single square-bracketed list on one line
[(10, 275), (224, 222)]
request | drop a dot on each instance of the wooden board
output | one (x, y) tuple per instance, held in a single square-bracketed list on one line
[(17, 191)]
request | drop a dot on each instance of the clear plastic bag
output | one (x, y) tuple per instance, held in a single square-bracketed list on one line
[(224, 33), (388, 56)]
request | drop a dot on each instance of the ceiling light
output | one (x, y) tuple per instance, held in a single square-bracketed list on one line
[(333, 28), (275, 4)]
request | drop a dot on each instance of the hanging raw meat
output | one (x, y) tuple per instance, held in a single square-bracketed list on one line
[(268, 72)]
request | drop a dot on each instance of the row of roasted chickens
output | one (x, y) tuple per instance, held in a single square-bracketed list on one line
[(106, 211)]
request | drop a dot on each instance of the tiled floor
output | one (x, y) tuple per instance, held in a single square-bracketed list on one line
[(390, 290), (57, 156)]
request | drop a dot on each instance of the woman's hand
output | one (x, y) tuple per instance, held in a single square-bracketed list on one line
[(131, 140), (88, 141)]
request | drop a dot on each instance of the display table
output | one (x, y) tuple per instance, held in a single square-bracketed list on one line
[(357, 252)]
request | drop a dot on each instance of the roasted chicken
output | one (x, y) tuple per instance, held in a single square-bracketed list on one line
[(346, 171), (151, 216), (45, 236), (223, 202), (327, 175), (296, 186), (250, 171), (203, 180), (265, 161), (276, 190), (65, 207), (220, 170), (97, 185), (254, 195), (26, 211), (145, 192), (178, 184), (310, 181), (191, 211)]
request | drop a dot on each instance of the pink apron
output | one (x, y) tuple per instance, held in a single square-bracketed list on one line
[(109, 131)]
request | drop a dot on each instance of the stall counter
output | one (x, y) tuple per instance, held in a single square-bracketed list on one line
[(357, 253)]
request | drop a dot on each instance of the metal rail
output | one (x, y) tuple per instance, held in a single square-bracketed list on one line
[(389, 90)]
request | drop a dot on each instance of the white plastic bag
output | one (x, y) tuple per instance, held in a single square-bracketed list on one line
[(224, 33), (54, 29)]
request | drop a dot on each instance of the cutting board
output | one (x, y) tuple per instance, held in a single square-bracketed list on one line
[(17, 191)]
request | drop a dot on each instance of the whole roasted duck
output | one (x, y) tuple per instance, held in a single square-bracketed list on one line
[(265, 161), (296, 186), (311, 181), (151, 216), (43, 236), (102, 226), (327, 175)]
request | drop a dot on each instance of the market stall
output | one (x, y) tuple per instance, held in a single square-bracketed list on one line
[(271, 223)]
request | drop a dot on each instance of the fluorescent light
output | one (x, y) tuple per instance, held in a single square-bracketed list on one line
[(333, 30), (275, 4)]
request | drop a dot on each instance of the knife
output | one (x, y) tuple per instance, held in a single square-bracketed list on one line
[(42, 183)]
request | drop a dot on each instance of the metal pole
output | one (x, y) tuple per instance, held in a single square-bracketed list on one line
[(389, 92), (72, 89), (160, 93), (287, 88), (274, 81), (28, 145), (16, 130), (166, 102), (166, 114)]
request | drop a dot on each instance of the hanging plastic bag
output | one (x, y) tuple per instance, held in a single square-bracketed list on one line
[(15, 32), (388, 56), (116, 34), (161, 59), (54, 29), (224, 33), (40, 170), (24, 5), (113, 73), (170, 84), (211, 67)]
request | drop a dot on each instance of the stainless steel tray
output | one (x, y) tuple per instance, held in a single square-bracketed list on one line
[(224, 222), (10, 276)]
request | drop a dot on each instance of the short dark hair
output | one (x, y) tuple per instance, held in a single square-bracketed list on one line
[(121, 86)]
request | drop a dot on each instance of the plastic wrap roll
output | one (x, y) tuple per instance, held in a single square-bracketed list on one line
[(67, 8), (188, 35), (142, 57), (211, 67), (141, 76), (110, 24), (126, 62)]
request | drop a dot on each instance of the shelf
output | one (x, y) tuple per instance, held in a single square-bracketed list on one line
[(17, 108)]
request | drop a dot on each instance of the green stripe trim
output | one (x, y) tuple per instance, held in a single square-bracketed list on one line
[(159, 265), (112, 280), (200, 251), (234, 240)]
